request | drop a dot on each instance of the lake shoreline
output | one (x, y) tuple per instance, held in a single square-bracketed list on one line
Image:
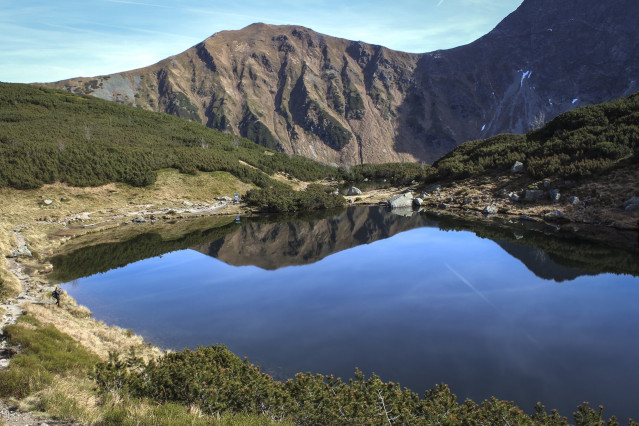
[(44, 230)]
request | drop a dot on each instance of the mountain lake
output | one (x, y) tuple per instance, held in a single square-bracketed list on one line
[(516, 310)]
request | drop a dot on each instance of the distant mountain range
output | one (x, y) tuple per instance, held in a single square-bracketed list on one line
[(346, 102)]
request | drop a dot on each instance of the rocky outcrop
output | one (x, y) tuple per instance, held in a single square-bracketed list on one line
[(401, 201), (338, 101)]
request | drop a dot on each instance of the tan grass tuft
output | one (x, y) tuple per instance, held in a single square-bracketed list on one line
[(70, 398), (92, 334)]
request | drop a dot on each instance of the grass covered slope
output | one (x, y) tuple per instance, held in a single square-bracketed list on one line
[(51, 136), (578, 144)]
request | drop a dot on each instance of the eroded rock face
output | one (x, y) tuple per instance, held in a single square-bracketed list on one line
[(338, 101)]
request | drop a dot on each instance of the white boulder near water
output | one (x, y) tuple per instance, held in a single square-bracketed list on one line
[(400, 201)]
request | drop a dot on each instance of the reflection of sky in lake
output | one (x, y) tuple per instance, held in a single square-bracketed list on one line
[(423, 307)]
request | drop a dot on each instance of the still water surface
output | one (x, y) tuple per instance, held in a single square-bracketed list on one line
[(420, 307)]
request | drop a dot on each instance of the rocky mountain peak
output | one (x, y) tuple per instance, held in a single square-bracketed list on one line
[(338, 101)]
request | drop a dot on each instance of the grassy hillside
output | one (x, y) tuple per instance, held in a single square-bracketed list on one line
[(48, 136), (581, 143)]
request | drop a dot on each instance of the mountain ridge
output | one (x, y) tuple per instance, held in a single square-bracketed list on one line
[(347, 102)]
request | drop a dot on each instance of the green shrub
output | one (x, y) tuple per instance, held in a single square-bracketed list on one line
[(395, 173), (218, 382), (281, 198), (578, 144), (48, 136)]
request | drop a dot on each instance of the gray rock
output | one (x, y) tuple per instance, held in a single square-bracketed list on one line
[(554, 195), (48, 202), (556, 214), (21, 251), (546, 183), (518, 167), (467, 201), (336, 192), (188, 203), (418, 201), (490, 210), (631, 205), (139, 219), (526, 218), (354, 191), (513, 197), (402, 200), (224, 198), (573, 200), (442, 206), (533, 194), (433, 188)]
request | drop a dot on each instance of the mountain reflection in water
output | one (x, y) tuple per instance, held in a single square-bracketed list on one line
[(277, 241), (401, 296)]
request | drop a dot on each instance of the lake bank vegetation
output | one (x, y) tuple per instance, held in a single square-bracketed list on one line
[(211, 385)]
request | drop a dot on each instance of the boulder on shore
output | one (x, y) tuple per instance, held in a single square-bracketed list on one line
[(354, 191), (533, 194), (631, 205), (518, 167), (490, 210), (402, 200)]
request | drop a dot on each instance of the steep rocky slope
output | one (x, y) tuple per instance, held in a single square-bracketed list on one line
[(334, 100)]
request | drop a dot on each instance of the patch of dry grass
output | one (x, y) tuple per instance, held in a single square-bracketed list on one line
[(101, 338), (171, 186), (67, 398)]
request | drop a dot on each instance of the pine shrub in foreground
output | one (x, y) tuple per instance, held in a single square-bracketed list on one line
[(217, 381)]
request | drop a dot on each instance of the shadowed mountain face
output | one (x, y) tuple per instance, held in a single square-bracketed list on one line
[(334, 100)]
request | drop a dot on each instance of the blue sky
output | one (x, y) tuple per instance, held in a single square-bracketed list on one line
[(45, 40)]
